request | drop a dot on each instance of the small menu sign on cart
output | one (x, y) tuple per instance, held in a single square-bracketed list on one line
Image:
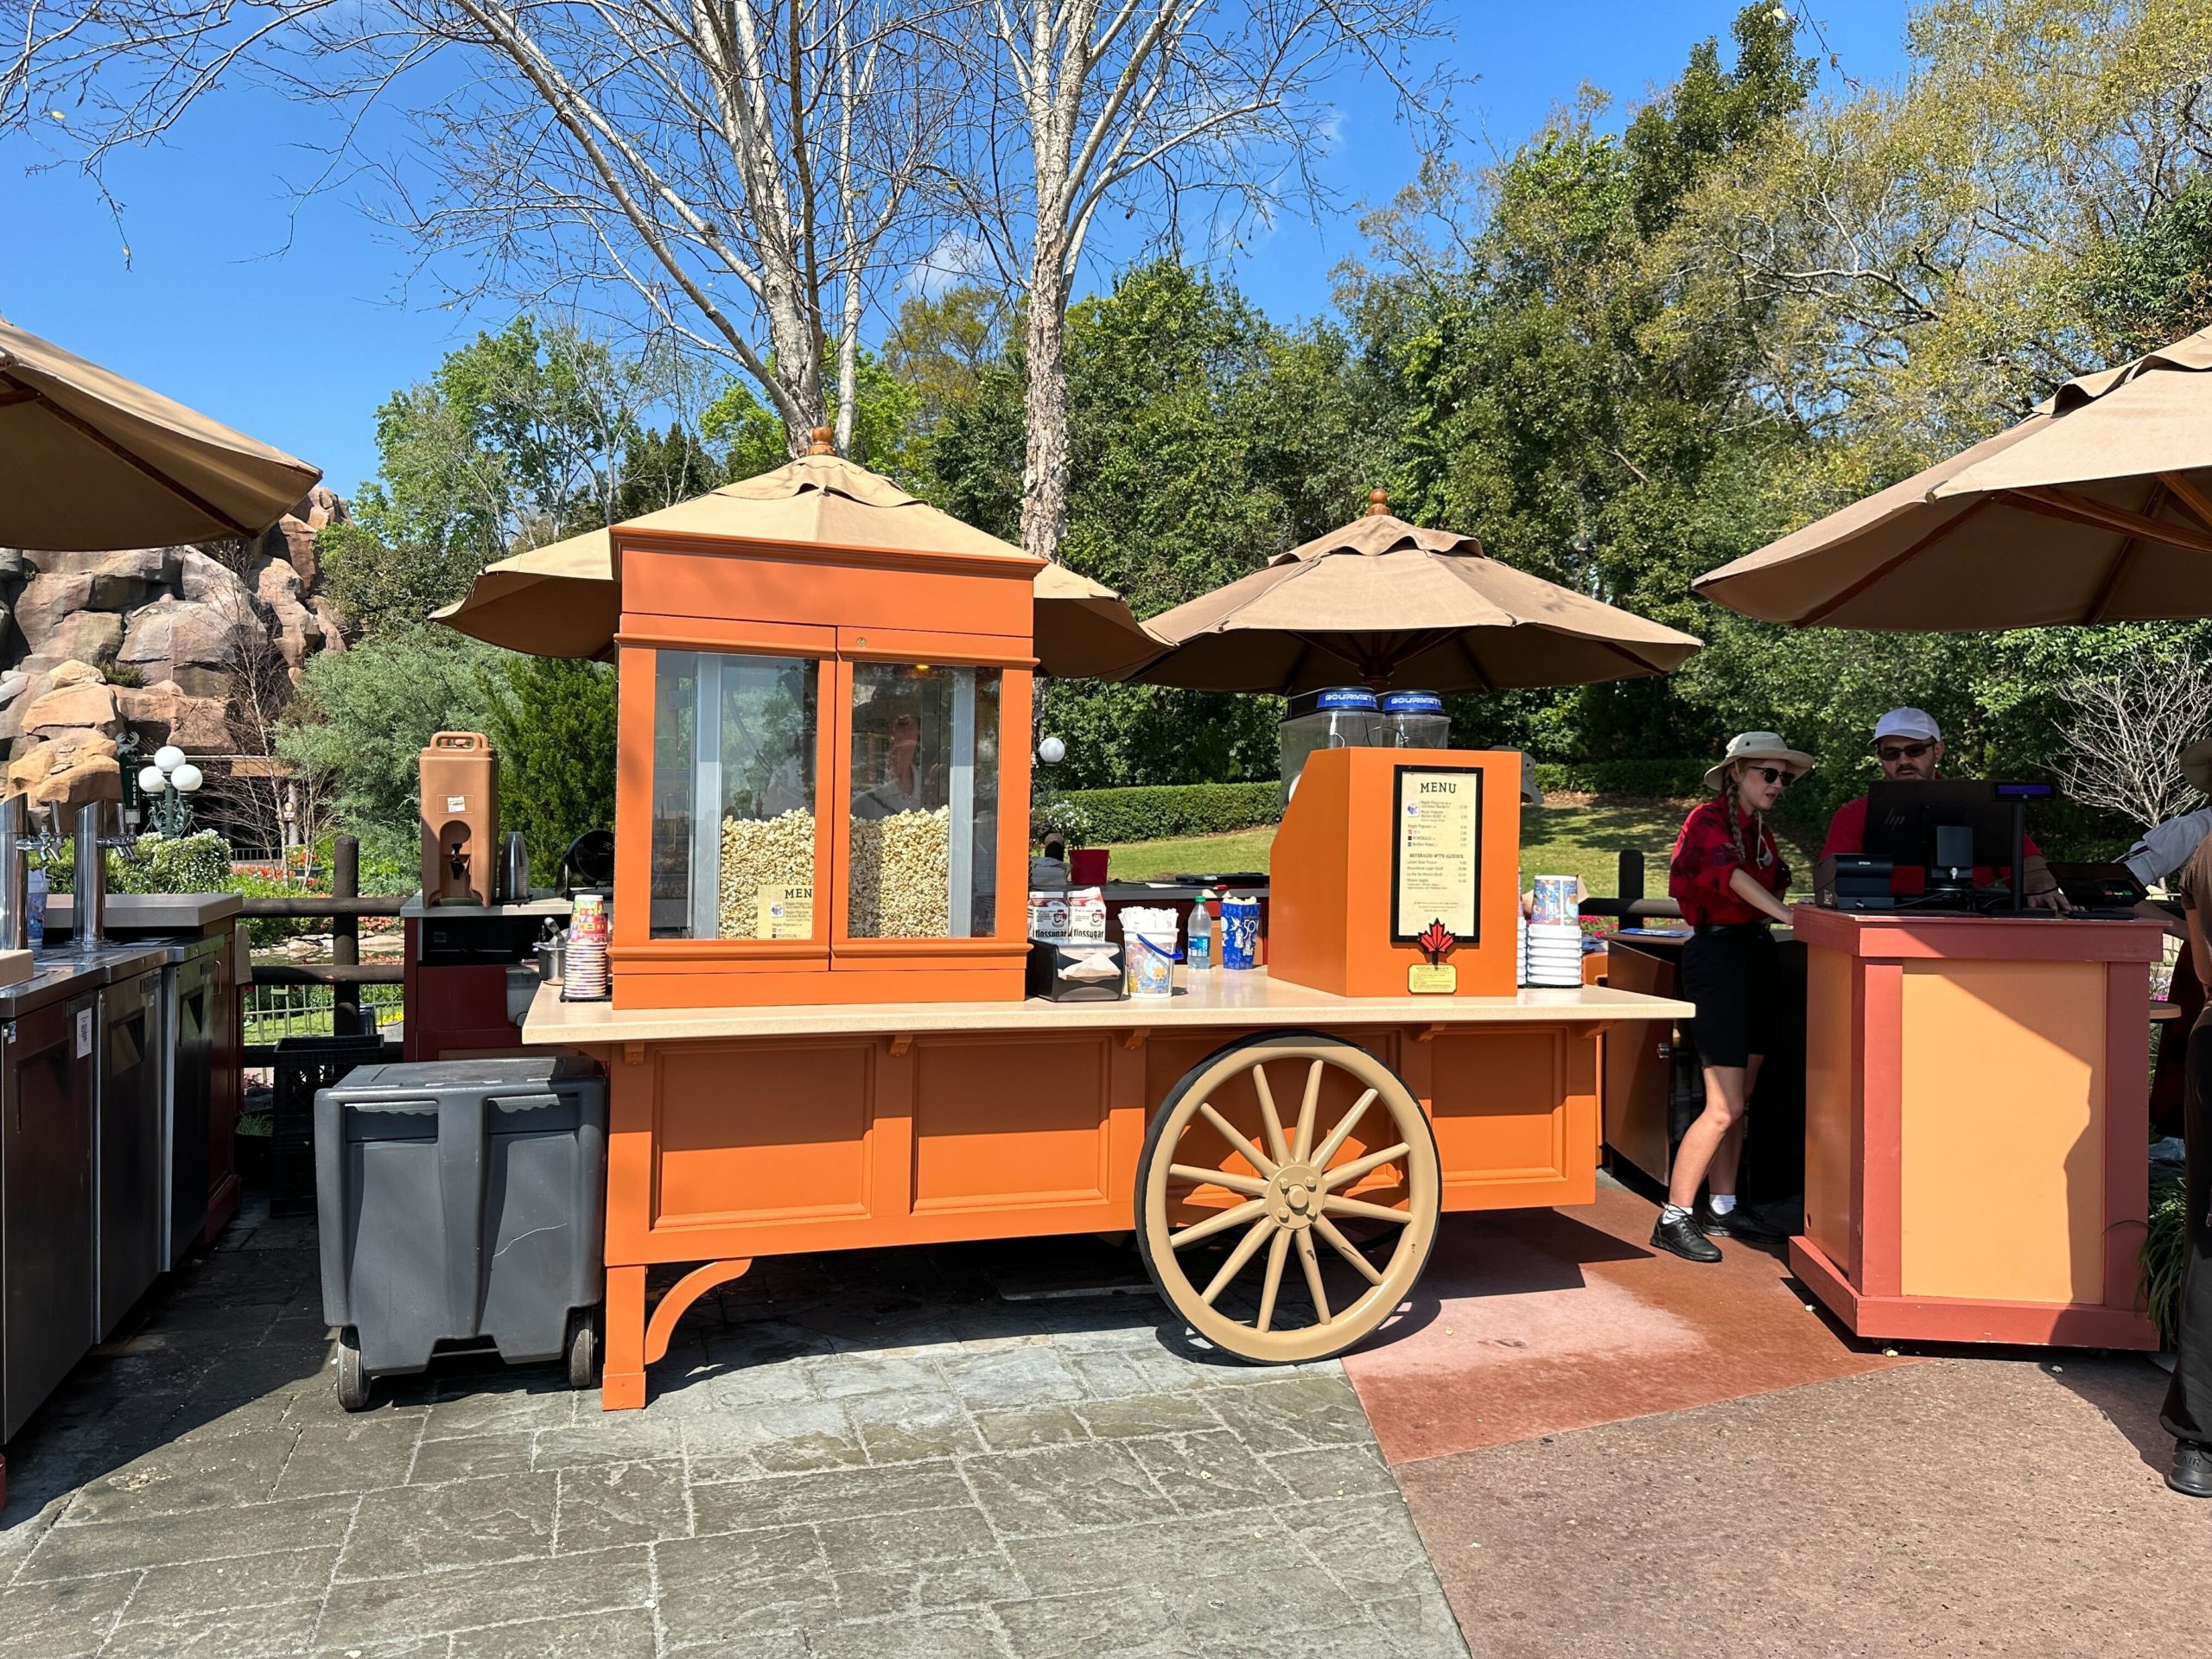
[(1436, 853), (783, 912)]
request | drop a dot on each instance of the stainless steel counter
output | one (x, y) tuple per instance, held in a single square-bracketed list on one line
[(148, 912)]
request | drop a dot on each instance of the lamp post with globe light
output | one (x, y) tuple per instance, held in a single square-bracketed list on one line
[(168, 783)]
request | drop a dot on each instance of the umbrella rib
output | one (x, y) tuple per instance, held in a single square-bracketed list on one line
[(2198, 505), (86, 430), (20, 395), (2080, 510), (2122, 560), (1828, 607)]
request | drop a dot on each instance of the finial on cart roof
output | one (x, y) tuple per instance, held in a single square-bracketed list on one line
[(1378, 504), (824, 442)]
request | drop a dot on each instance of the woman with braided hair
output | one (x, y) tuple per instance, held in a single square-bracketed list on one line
[(1728, 876)]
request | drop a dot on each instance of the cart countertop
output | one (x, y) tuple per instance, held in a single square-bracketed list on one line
[(1221, 998)]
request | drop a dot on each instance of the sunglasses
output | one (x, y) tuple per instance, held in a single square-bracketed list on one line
[(1774, 775), (1902, 751)]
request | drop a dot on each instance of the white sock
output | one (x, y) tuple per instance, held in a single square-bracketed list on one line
[(1671, 1212), (1723, 1203)]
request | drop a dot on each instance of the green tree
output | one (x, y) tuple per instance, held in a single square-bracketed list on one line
[(518, 438), (361, 718), (553, 723), (1204, 440)]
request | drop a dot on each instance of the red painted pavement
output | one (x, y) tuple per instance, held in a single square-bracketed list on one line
[(1533, 1322)]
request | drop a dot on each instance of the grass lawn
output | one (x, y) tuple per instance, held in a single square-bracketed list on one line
[(1582, 839)]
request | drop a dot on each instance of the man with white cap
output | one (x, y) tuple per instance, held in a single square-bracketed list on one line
[(1910, 745)]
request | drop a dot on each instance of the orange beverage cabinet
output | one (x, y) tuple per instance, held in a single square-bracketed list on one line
[(1343, 846), (819, 1038), (1976, 1107)]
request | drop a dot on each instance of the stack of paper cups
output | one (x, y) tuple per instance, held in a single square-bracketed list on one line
[(1555, 954), (584, 977)]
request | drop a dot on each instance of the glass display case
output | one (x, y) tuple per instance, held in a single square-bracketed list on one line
[(922, 833), (735, 740)]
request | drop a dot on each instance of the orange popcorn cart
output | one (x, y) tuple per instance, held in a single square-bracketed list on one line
[(819, 1037)]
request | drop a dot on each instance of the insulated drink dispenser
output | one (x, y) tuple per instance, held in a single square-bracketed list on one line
[(461, 819), (1341, 717), (1415, 720)]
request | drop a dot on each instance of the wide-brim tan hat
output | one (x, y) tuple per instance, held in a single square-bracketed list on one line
[(2196, 762), (1759, 746)]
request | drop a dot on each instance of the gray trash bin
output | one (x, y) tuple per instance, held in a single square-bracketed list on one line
[(461, 1201)]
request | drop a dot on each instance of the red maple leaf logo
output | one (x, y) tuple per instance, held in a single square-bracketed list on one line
[(1436, 939)]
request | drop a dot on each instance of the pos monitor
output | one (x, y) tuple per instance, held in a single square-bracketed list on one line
[(1948, 828)]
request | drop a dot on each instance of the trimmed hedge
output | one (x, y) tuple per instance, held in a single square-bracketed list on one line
[(1155, 812), (1654, 780)]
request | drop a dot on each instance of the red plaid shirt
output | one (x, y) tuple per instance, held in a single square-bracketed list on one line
[(1704, 859)]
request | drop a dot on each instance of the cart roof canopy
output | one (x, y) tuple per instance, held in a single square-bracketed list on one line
[(1382, 601), (90, 460), (2096, 508), (565, 599)]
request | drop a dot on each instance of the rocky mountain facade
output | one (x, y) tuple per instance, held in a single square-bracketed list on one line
[(159, 641)]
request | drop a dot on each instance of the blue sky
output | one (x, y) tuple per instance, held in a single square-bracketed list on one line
[(293, 326)]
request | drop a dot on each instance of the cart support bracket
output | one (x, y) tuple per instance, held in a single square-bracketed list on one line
[(1134, 1041), (680, 1295)]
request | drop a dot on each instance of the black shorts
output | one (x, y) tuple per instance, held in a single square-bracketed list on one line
[(1734, 976)]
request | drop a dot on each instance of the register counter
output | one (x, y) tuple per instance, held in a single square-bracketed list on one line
[(1976, 1115)]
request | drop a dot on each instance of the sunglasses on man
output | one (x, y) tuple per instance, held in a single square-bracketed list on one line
[(1774, 775), (1902, 751)]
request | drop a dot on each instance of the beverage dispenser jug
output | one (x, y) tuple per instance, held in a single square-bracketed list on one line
[(460, 820)]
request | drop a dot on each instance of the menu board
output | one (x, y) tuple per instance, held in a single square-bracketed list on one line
[(1436, 853)]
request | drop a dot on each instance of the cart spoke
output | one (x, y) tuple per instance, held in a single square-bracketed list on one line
[(1359, 1166), (1269, 1116), (1303, 1144), (1219, 1223), (1335, 1144), (1227, 1130), (1344, 1247), (1247, 1247), (1312, 1263), (1277, 1248), (1340, 1206), (1249, 1184)]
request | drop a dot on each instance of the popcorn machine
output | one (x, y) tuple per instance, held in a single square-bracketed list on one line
[(817, 740)]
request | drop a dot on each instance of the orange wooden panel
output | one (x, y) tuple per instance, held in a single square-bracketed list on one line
[(2002, 1166), (1011, 1121), (1833, 1034), (1514, 1111), (1331, 887), (644, 986), (761, 1133), (724, 633), (765, 582)]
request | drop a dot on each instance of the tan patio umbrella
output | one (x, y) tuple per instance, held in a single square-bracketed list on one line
[(565, 599), (560, 599), (2096, 508), (1384, 603), (90, 460)]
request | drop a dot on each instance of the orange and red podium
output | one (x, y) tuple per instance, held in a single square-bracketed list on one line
[(1976, 1099)]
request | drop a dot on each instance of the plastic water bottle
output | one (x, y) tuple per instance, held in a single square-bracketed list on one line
[(1199, 955), (35, 909)]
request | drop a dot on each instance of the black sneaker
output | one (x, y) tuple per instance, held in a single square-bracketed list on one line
[(1735, 1224), (1682, 1237), (2191, 1475)]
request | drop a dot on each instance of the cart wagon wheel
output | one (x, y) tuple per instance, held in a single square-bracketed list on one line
[(583, 1348), (1287, 1197), (352, 1381)]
